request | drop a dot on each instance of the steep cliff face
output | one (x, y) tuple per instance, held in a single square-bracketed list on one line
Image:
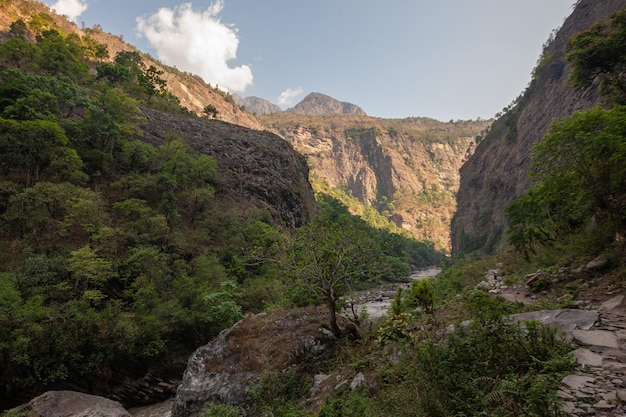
[(256, 168), (405, 169), (497, 172)]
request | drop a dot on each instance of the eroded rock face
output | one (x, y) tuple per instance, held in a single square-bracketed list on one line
[(256, 168), (497, 172), (224, 370)]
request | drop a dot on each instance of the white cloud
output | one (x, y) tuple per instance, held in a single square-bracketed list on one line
[(197, 42), (287, 96), (70, 8)]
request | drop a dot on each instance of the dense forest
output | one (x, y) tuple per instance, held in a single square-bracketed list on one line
[(112, 251)]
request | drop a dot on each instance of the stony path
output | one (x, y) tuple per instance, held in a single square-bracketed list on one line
[(598, 386), (598, 332)]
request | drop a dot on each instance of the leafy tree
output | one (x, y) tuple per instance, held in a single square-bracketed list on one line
[(30, 146), (17, 52), (60, 54), (113, 73), (152, 82), (329, 256), (18, 29), (585, 154), (210, 111), (89, 271), (600, 52)]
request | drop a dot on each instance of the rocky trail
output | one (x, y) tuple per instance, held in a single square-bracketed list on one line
[(597, 329)]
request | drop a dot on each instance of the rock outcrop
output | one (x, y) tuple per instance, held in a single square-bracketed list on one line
[(224, 370), (497, 172), (320, 104), (256, 168)]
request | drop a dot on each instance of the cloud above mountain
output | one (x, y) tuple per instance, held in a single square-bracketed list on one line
[(287, 96), (197, 42), (70, 8)]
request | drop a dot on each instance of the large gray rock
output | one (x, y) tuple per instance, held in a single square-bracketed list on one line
[(566, 319), (225, 370), (75, 404)]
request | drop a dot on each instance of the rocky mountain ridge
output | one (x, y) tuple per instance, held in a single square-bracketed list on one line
[(497, 172), (404, 169)]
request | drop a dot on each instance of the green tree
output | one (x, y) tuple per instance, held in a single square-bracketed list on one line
[(600, 53), (585, 154), (329, 256), (30, 146), (89, 270), (152, 82), (210, 111)]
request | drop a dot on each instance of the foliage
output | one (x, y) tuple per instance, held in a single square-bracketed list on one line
[(338, 253), (277, 394), (331, 255), (580, 168), (599, 53), (472, 372)]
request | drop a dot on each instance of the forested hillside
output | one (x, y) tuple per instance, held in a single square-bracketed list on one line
[(133, 230)]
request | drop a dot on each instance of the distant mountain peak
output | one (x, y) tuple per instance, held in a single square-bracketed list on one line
[(318, 104), (257, 105)]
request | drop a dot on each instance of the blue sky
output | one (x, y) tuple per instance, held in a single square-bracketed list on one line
[(446, 59)]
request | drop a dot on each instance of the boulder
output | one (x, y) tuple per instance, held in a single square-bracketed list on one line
[(226, 369), (75, 404)]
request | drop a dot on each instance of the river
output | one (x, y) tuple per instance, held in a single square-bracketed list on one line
[(377, 302)]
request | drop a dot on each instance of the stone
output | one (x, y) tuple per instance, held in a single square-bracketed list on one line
[(75, 404), (596, 338), (617, 382), (226, 369), (317, 381), (359, 380), (621, 395), (577, 382), (586, 357), (565, 319), (604, 405), (564, 395), (612, 303), (598, 263)]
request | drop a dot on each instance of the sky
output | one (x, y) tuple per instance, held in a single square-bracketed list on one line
[(445, 59)]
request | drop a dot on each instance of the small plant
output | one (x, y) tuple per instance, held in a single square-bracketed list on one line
[(422, 293)]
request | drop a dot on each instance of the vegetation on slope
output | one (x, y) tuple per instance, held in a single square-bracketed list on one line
[(113, 254)]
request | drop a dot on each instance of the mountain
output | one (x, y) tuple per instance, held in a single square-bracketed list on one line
[(257, 105), (497, 172), (321, 104), (398, 173)]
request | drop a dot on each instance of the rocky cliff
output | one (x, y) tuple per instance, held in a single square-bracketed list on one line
[(257, 168), (497, 172), (407, 169)]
